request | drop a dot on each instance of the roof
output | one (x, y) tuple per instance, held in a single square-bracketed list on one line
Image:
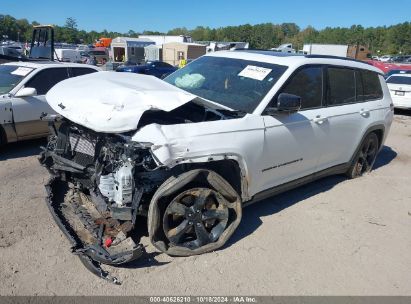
[(43, 64), (132, 42), (154, 46), (293, 60), (118, 39)]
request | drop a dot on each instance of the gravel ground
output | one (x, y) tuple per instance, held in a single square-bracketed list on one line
[(331, 237)]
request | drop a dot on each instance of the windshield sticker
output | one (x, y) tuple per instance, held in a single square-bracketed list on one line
[(255, 72), (21, 71)]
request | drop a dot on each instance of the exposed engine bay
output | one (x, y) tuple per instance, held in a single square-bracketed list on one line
[(101, 183)]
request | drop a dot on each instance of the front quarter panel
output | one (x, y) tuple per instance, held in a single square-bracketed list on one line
[(238, 139)]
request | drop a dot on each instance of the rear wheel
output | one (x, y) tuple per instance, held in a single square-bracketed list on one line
[(365, 157), (3, 137), (193, 213)]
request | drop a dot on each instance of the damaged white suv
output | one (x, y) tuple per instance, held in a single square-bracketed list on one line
[(229, 129)]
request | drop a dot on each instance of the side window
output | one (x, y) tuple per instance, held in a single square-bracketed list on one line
[(308, 84), (81, 71), (340, 86), (359, 86), (372, 85), (46, 79)]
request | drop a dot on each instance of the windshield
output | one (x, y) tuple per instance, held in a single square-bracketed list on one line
[(10, 76), (235, 83), (399, 80)]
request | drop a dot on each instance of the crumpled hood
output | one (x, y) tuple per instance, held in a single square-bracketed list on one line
[(113, 102)]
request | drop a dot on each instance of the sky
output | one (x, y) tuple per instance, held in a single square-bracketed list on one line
[(163, 15)]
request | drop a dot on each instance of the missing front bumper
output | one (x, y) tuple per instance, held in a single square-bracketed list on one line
[(87, 245)]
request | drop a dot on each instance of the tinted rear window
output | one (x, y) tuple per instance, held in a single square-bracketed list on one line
[(81, 71), (399, 80), (345, 86), (44, 80), (372, 85), (340, 86)]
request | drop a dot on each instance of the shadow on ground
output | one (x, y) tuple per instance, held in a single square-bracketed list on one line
[(385, 156), (22, 149), (402, 112), (252, 215)]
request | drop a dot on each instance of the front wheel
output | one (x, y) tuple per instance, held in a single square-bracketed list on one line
[(193, 213), (365, 157)]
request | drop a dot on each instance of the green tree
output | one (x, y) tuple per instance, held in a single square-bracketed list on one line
[(392, 39)]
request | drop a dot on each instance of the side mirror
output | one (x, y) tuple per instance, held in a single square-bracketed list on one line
[(26, 92), (286, 103)]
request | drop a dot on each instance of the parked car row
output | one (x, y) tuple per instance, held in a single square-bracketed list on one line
[(392, 72), (158, 69), (393, 58)]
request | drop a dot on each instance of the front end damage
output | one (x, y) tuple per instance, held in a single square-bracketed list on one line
[(121, 139), (98, 187)]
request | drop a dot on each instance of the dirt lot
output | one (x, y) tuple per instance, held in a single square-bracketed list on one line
[(332, 237)]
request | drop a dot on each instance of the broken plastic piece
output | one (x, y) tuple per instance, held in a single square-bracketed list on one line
[(108, 242)]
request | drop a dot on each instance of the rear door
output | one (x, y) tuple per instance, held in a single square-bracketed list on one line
[(352, 98), (27, 110)]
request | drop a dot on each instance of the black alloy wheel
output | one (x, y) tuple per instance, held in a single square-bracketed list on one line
[(195, 218), (365, 157)]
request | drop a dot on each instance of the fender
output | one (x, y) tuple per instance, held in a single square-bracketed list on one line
[(238, 159), (377, 127)]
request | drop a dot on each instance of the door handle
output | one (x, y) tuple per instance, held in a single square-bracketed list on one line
[(320, 120), (364, 113)]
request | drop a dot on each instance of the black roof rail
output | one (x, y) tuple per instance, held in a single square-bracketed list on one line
[(267, 52), (280, 54), (336, 57)]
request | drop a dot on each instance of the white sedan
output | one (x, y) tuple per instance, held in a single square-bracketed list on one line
[(23, 86), (400, 89)]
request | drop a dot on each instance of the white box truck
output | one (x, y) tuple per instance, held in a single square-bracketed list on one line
[(68, 55), (352, 51)]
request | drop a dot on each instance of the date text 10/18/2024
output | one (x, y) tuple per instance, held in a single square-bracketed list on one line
[(203, 299)]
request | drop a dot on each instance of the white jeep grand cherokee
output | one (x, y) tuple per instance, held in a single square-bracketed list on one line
[(229, 129)]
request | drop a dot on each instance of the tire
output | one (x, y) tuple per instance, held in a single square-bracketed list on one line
[(365, 157), (193, 213), (3, 137)]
